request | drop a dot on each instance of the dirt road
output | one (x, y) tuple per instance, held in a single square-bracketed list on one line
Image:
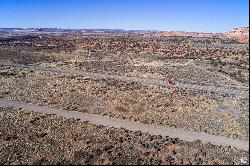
[(130, 125), (207, 88)]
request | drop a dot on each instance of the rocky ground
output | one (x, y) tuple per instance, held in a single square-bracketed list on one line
[(32, 138), (178, 108), (225, 68), (27, 138), (193, 71)]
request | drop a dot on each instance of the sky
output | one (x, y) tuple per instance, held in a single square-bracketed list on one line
[(169, 15)]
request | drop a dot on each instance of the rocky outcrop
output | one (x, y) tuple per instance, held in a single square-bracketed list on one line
[(239, 34)]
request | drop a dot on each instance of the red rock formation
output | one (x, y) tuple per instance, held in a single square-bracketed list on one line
[(239, 34)]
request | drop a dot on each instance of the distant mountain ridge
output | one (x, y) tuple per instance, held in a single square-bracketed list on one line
[(76, 30), (240, 34)]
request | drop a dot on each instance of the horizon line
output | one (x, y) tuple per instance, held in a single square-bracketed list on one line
[(117, 29)]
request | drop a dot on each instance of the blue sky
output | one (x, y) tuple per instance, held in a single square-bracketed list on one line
[(181, 15)]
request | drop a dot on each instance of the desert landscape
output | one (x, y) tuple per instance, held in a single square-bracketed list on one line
[(181, 82)]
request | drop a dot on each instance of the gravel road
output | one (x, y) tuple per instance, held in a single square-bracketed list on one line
[(129, 125), (29, 138), (216, 89)]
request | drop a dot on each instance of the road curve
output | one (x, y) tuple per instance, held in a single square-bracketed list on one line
[(130, 125), (207, 88)]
